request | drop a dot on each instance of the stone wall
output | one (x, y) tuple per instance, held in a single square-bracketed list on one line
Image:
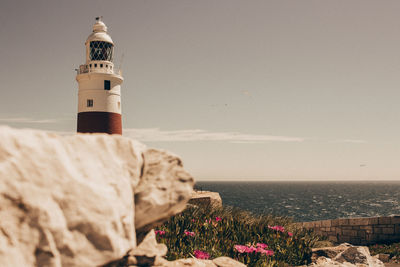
[(358, 231)]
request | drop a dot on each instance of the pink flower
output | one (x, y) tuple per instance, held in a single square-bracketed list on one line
[(201, 255), (277, 228), (159, 232), (262, 245), (260, 250), (193, 220), (188, 233), (265, 251), (250, 249), (218, 219), (240, 248), (268, 252), (290, 233)]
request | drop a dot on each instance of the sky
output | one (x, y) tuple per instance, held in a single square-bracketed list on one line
[(241, 90)]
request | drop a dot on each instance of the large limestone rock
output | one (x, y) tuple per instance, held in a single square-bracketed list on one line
[(157, 196), (344, 255), (69, 200)]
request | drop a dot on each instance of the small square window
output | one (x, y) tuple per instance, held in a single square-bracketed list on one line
[(107, 85), (101, 65), (95, 65), (90, 65), (89, 103)]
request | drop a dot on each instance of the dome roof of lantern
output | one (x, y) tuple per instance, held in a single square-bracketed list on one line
[(99, 32)]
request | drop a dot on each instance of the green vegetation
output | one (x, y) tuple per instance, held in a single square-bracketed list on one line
[(205, 232), (392, 249)]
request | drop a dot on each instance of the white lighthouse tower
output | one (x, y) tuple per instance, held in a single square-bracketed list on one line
[(99, 97)]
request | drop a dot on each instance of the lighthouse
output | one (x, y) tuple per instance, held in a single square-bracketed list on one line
[(99, 95)]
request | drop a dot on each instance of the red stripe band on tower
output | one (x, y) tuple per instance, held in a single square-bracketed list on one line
[(99, 122)]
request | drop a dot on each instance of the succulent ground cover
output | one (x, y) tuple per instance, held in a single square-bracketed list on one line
[(207, 233)]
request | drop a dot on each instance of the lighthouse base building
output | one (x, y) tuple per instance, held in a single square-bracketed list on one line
[(99, 95)]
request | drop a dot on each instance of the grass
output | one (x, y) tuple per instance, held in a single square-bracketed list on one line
[(207, 232)]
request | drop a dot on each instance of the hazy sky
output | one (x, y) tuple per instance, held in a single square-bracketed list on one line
[(241, 89)]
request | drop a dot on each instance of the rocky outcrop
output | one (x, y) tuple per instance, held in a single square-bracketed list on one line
[(207, 198), (157, 195), (70, 200), (344, 255)]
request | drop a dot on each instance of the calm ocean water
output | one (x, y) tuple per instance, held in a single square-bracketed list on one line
[(309, 201)]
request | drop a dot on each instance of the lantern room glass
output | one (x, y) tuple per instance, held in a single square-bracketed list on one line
[(101, 51)]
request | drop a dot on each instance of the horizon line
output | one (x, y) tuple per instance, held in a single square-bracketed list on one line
[(293, 180)]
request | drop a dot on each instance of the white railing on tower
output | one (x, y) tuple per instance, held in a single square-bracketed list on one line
[(85, 69)]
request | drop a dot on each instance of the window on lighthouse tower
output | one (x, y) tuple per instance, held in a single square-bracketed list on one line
[(89, 103), (107, 85)]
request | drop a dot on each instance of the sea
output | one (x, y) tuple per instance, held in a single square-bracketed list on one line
[(310, 201)]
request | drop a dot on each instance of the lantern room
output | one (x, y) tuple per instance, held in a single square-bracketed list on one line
[(99, 45), (99, 50)]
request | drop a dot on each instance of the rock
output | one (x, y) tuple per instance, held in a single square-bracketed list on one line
[(190, 263), (384, 257), (395, 259), (69, 200), (155, 201), (353, 255), (344, 255), (227, 262), (130, 261), (358, 255), (146, 252), (206, 198), (149, 247), (326, 262)]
